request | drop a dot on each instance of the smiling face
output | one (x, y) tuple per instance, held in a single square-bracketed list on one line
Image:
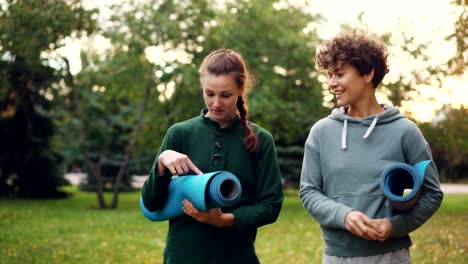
[(349, 87), (220, 93)]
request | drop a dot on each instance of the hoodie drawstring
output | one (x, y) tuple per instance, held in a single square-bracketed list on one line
[(371, 127), (344, 132), (343, 135)]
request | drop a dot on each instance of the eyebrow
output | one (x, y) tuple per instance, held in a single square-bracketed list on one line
[(222, 92), (336, 69)]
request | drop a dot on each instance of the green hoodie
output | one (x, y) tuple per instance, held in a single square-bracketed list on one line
[(343, 160), (212, 148)]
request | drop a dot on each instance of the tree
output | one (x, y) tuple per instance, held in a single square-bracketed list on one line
[(278, 42), (28, 29), (457, 64), (413, 56), (116, 83), (448, 142), (156, 49), (189, 30)]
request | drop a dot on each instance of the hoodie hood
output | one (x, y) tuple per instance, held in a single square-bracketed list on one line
[(390, 114)]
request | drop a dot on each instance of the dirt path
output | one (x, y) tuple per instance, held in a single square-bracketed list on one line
[(76, 178), (454, 188)]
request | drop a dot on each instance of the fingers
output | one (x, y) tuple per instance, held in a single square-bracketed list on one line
[(181, 168), (361, 225), (367, 228), (385, 228), (189, 208), (177, 163), (193, 167), (365, 231), (376, 224), (212, 216)]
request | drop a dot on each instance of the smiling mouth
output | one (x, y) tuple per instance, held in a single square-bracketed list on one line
[(217, 111), (338, 93)]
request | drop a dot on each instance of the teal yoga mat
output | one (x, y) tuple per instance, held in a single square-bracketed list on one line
[(399, 177), (204, 191)]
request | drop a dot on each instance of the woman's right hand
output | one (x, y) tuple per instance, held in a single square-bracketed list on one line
[(177, 163), (361, 225)]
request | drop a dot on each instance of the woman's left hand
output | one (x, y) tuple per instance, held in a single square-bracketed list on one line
[(385, 228), (213, 216)]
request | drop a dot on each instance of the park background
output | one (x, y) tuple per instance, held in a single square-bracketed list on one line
[(90, 88)]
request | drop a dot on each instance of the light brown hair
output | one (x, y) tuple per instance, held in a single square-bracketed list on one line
[(229, 62)]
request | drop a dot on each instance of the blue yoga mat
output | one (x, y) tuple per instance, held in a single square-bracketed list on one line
[(398, 177), (204, 191)]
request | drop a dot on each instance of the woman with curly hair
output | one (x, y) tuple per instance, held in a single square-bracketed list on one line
[(346, 153)]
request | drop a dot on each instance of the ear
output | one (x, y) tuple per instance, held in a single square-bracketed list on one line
[(368, 77), (241, 90)]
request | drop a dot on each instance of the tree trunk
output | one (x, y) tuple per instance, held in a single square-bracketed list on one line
[(131, 145), (93, 168)]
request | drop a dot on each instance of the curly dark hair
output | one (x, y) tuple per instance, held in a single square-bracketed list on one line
[(358, 50)]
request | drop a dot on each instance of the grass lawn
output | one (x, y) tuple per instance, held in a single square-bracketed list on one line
[(74, 231)]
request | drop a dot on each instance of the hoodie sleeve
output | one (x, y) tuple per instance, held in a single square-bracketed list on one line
[(325, 210), (269, 191), (416, 149)]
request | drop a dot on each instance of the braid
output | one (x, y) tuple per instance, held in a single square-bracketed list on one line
[(251, 141), (242, 110), (229, 62)]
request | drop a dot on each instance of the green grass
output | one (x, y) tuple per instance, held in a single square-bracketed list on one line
[(74, 231)]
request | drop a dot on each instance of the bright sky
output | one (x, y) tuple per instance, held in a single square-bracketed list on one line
[(430, 21)]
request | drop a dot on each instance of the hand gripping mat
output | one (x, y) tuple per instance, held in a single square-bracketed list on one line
[(204, 191)]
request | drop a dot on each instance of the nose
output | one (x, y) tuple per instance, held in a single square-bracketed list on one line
[(217, 102), (332, 82)]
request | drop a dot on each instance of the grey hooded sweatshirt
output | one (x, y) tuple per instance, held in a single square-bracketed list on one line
[(343, 160)]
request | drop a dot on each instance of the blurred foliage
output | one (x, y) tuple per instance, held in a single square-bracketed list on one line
[(403, 46), (112, 82), (290, 159), (194, 29), (449, 143), (278, 43), (458, 63), (29, 167), (160, 44)]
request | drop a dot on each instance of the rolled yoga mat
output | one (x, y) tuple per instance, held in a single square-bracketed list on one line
[(204, 191), (400, 177)]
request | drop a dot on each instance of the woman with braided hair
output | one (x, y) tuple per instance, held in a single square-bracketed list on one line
[(220, 138)]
